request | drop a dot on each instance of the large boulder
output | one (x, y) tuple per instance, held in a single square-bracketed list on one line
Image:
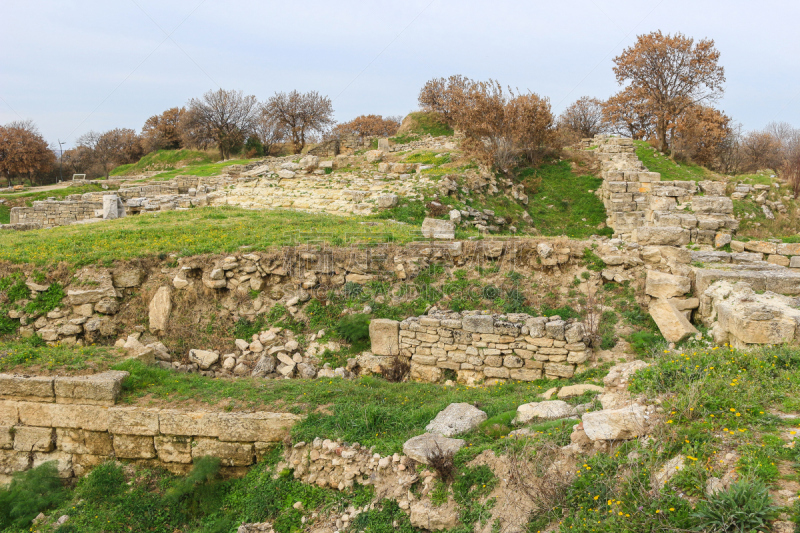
[(670, 320), (423, 447), (571, 391), (203, 358), (455, 419), (616, 424), (384, 335), (619, 375), (662, 236), (661, 285), (549, 410), (160, 309), (433, 228), (425, 515)]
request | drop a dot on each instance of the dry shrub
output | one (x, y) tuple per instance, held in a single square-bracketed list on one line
[(369, 126), (435, 209), (790, 172), (591, 319), (442, 462), (397, 370), (537, 475), (584, 118)]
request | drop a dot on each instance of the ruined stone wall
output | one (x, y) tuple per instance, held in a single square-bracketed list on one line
[(51, 213), (482, 347), (75, 422)]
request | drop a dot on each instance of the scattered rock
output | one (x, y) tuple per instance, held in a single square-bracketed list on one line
[(455, 419)]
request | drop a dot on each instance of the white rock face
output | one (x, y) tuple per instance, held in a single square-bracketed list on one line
[(160, 309), (661, 285), (203, 358), (549, 410), (433, 228), (422, 447), (455, 419), (616, 424), (670, 321)]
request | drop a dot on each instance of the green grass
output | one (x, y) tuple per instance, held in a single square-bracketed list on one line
[(208, 169), (669, 169), (759, 178), (192, 232), (165, 160), (424, 124), (5, 214), (568, 194), (30, 353)]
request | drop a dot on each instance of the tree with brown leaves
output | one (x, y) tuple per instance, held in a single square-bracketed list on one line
[(163, 132), (368, 126), (269, 131), (110, 149), (23, 152), (300, 115), (700, 134), (584, 117), (227, 115), (441, 95), (761, 150), (673, 73), (628, 113)]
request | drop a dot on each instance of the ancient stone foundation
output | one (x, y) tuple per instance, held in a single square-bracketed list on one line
[(481, 347), (75, 422)]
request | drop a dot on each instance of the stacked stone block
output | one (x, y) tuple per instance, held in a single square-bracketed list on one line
[(74, 422), (489, 348), (52, 213)]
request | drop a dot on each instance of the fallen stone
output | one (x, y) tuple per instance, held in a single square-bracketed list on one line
[(455, 419), (203, 358), (160, 309), (670, 321), (547, 410), (425, 515), (433, 228), (616, 424), (421, 448), (576, 390), (661, 285)]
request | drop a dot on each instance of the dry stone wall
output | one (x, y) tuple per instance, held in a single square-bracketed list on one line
[(51, 213), (74, 421), (481, 347)]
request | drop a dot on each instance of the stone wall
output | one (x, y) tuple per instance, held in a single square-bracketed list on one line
[(644, 209), (75, 422), (489, 348), (51, 213)]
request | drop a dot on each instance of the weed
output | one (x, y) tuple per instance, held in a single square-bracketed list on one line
[(354, 328), (397, 370), (30, 493), (46, 301), (744, 507)]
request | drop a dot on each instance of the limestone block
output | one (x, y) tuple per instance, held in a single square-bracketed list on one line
[(63, 462), (97, 389), (779, 260), (127, 277), (670, 321), (492, 372), (6, 437), (86, 296), (789, 249), (264, 427), (384, 336), (374, 156), (616, 424), (33, 439), (559, 370), (84, 442), (421, 448), (525, 374), (712, 204), (229, 453), (661, 285), (203, 358), (549, 410), (172, 449), (387, 201), (30, 388), (132, 421), (160, 309), (478, 323), (134, 447), (761, 247), (13, 461), (75, 416), (661, 236), (429, 374), (433, 228), (188, 423), (427, 516), (576, 390), (9, 415), (795, 262), (455, 419)]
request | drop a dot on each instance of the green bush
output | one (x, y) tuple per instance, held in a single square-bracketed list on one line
[(46, 301), (744, 507), (7, 325), (103, 483), (354, 328), (593, 261), (29, 494), (19, 291), (643, 342)]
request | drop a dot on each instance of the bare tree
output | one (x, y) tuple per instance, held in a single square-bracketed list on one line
[(673, 73), (112, 148), (227, 115), (269, 131), (584, 117), (441, 95), (301, 114), (761, 151), (791, 171)]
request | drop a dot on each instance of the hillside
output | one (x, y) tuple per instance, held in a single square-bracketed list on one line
[(397, 339)]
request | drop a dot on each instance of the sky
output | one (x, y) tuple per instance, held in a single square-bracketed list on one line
[(74, 66)]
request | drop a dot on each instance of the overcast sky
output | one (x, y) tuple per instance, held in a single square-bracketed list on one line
[(75, 66)]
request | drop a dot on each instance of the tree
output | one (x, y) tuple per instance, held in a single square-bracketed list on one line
[(441, 95), (673, 73), (300, 114), (369, 126), (628, 113), (700, 134), (113, 148), (761, 150), (790, 171), (77, 160), (499, 130), (163, 132), (584, 117), (226, 115), (269, 131), (23, 152)]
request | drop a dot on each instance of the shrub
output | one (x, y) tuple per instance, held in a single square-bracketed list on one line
[(7, 325), (29, 494), (46, 301), (397, 370), (352, 289), (593, 261), (103, 483), (442, 462), (744, 507), (19, 291), (354, 328)]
